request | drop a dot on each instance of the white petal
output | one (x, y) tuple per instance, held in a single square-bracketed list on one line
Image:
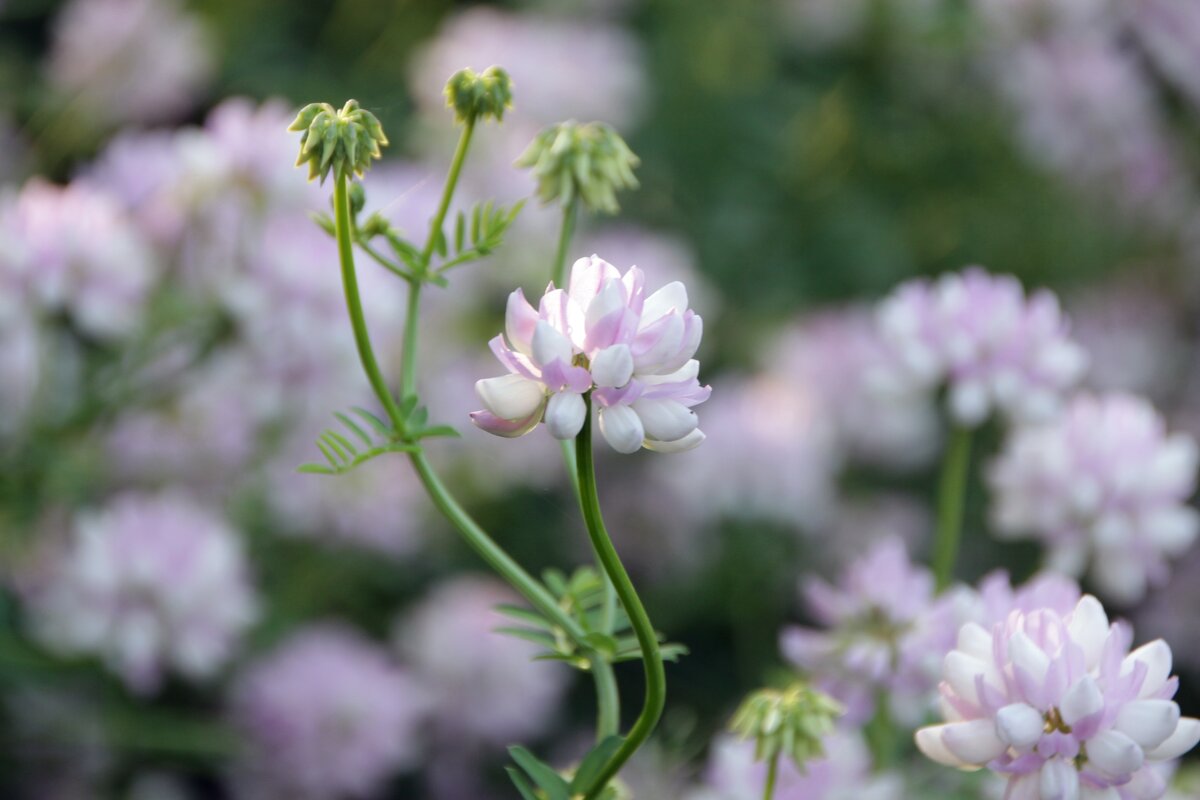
[(1156, 656), (1058, 781), (689, 371), (665, 420), (565, 414), (1089, 629), (1148, 722), (929, 742), (1023, 787), (1020, 725), (1082, 699), (1114, 753), (1088, 793), (959, 671), (613, 366), (1146, 784), (1028, 656), (975, 641), (622, 428), (969, 402), (510, 396), (1185, 737), (673, 296), (610, 300), (692, 440), (975, 742), (550, 344)]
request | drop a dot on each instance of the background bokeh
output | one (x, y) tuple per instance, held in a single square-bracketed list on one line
[(182, 613)]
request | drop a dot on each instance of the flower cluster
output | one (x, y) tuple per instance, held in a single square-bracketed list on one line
[(1103, 484), (328, 715), (979, 335), (886, 631), (150, 583), (1058, 705), (602, 335)]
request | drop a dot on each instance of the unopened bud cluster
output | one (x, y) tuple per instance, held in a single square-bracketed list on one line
[(475, 96), (791, 722), (344, 140), (590, 161)]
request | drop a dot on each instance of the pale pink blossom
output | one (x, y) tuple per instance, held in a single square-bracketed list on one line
[(1060, 706), (602, 335)]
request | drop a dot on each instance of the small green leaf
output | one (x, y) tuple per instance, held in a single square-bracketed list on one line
[(525, 615), (315, 469), (557, 582), (438, 430), (375, 422), (543, 775), (353, 427), (439, 243), (593, 762), (521, 783), (602, 643), (344, 442), (529, 635), (418, 417), (460, 232)]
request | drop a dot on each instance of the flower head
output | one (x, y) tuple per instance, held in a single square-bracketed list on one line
[(591, 162), (601, 335), (345, 141), (1058, 705), (791, 722), (886, 630), (327, 714), (150, 584), (979, 335), (1103, 484), (479, 96)]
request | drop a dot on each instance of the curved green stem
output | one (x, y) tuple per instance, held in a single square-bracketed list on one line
[(490, 552), (608, 700), (362, 339), (952, 495), (656, 679), (772, 776), (570, 214)]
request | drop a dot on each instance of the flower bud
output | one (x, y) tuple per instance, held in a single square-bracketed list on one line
[(479, 96), (590, 161), (344, 140), (791, 722)]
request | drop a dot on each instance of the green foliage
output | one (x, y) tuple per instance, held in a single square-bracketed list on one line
[(790, 722), (586, 597), (477, 233), (342, 454)]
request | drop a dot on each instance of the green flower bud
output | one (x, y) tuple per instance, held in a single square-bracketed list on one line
[(358, 198), (589, 161), (475, 97), (792, 722), (344, 141)]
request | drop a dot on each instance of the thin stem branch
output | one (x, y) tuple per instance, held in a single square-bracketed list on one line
[(656, 679), (952, 494), (490, 552), (608, 700), (570, 214), (384, 261), (772, 776), (362, 339)]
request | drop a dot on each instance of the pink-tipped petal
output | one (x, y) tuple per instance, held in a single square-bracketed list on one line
[(510, 396), (508, 428), (665, 420), (565, 414), (520, 319)]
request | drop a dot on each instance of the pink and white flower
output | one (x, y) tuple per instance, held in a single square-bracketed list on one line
[(601, 335), (979, 335), (1106, 487), (1060, 706)]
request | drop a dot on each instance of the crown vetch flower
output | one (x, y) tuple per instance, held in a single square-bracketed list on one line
[(605, 336), (1104, 483), (885, 630), (981, 337), (1059, 705), (151, 584)]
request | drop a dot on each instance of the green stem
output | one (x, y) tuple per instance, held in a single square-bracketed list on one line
[(490, 552), (408, 364), (880, 732), (608, 699), (772, 776), (656, 679), (362, 339), (570, 214), (456, 165), (952, 494)]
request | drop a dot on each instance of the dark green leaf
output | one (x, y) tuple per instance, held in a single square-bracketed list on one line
[(521, 783), (543, 775), (593, 762)]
